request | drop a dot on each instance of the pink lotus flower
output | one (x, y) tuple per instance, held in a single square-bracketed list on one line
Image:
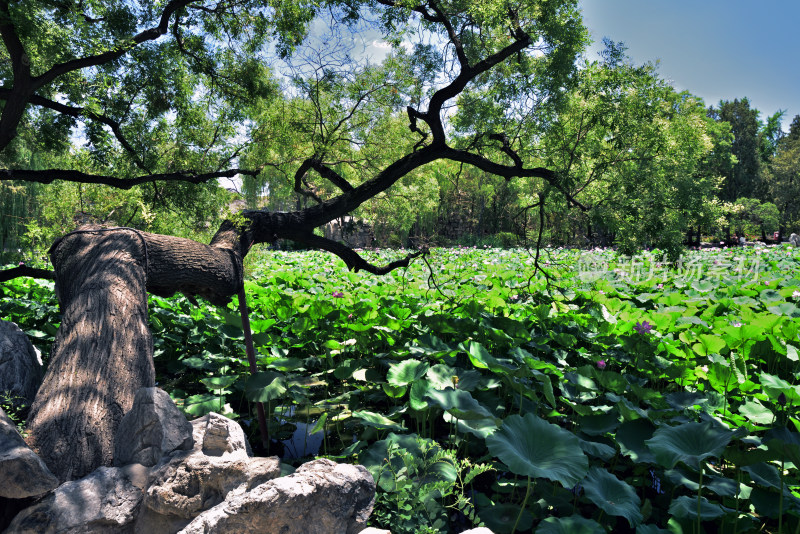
[(337, 295), (601, 364)]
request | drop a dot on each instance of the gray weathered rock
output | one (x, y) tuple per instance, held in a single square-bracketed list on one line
[(191, 483), (187, 483), (321, 497), (22, 472), (153, 428), (20, 366), (215, 486), (216, 435), (103, 502), (794, 239)]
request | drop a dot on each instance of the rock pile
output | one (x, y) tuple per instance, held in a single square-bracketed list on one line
[(173, 476)]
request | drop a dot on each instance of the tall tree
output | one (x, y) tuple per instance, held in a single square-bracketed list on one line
[(107, 64), (743, 179), (794, 128), (630, 150), (783, 180)]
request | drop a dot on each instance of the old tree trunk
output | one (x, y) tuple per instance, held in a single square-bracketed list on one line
[(103, 351)]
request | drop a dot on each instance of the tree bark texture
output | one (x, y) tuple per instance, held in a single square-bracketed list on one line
[(103, 351)]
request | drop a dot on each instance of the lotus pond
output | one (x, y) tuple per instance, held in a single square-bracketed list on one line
[(605, 394)]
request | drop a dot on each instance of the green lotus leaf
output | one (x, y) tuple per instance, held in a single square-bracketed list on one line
[(681, 400), (429, 344), (377, 420), (773, 386), (532, 447), (481, 428), (481, 358), (382, 465), (650, 529), (724, 487), (690, 443), (346, 369), (265, 386), (501, 518), (406, 372), (685, 507), (285, 364), (195, 363), (599, 450), (704, 286), (394, 392), (764, 475), (612, 495), (756, 412), (416, 396), (709, 344), (441, 377), (631, 436), (218, 382), (199, 405), (574, 524), (458, 403), (784, 443), (770, 295), (597, 425), (784, 308)]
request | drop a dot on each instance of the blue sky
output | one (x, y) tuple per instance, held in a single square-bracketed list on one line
[(715, 49)]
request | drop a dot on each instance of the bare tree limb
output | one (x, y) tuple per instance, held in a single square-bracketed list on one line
[(323, 170), (352, 259), (150, 34), (49, 176), (77, 112), (506, 148), (24, 85), (24, 270), (507, 171), (332, 176)]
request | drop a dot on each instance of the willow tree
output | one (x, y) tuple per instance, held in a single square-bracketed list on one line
[(173, 94)]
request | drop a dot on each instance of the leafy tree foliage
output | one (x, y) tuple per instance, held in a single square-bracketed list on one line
[(630, 150), (742, 180), (754, 218), (783, 178)]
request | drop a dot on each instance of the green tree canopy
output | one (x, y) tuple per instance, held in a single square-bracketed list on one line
[(630, 152)]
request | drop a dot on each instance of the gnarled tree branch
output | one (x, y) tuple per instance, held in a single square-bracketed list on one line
[(77, 112), (351, 258), (24, 270), (50, 175)]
